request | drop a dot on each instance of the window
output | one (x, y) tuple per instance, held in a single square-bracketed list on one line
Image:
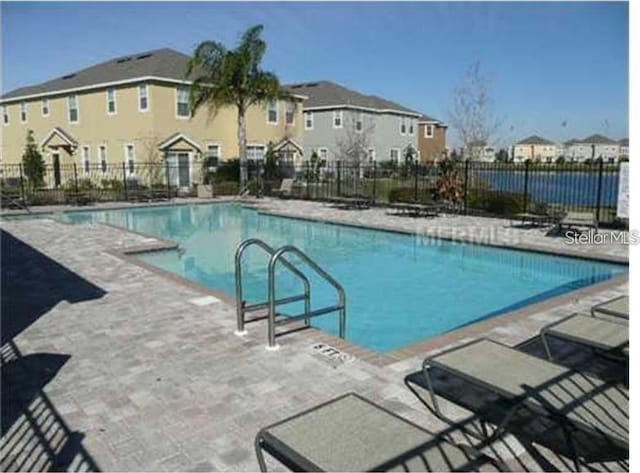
[(337, 119), (323, 154), (143, 98), (428, 131), (72, 104), (255, 152), (45, 107), (5, 115), (308, 120), (111, 101), (130, 158), (411, 127), (272, 113), (359, 122), (403, 126), (85, 160), (102, 155), (371, 154), (182, 97), (394, 155), (23, 112), (291, 113), (213, 154)]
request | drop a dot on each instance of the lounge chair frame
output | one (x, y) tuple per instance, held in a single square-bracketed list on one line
[(548, 330), (601, 309), (515, 403)]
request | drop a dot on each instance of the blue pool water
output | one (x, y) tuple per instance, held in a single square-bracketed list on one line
[(401, 289)]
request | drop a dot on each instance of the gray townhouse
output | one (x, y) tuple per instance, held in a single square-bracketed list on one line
[(342, 124)]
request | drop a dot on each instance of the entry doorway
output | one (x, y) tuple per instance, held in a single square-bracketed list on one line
[(55, 160), (179, 169)]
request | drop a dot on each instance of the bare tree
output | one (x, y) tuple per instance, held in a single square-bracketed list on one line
[(471, 114), (353, 144)]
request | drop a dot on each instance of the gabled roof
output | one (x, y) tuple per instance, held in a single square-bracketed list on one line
[(159, 63), (175, 138), (427, 119), (535, 140), (63, 135), (598, 140), (326, 94)]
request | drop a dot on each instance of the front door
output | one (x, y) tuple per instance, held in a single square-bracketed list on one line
[(179, 169), (55, 157)]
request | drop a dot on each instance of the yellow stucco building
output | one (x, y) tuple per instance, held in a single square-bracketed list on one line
[(134, 110)]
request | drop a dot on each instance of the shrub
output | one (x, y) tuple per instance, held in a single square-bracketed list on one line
[(228, 171), (83, 184), (111, 184), (497, 202), (407, 194)]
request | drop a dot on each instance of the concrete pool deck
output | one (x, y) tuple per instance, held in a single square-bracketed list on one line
[(117, 367)]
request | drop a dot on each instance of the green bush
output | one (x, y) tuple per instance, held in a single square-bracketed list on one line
[(83, 184), (407, 194), (228, 171), (111, 184), (497, 202)]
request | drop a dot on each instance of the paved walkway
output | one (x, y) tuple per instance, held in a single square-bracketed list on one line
[(107, 365)]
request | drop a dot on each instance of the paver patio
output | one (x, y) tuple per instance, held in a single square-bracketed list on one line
[(107, 365)]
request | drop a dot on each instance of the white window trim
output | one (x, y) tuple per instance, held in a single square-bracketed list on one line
[(25, 106), (214, 143), (269, 122), (42, 107), (5, 111), (426, 130), (86, 163), (77, 120), (359, 118), (106, 158), (403, 123), (256, 145), (126, 159), (397, 159), (412, 127), (115, 102), (326, 150), (337, 113), (308, 115), (178, 116), (147, 88), (371, 154), (293, 114)]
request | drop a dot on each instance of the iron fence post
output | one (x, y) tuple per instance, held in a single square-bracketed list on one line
[(75, 177), (525, 195), (415, 182), (124, 181), (166, 171), (373, 190), (338, 178), (308, 177), (22, 194), (466, 185), (599, 195)]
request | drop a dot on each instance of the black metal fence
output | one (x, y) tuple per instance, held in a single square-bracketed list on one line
[(472, 187), (95, 182)]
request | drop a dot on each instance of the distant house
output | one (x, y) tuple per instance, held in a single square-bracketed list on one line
[(624, 148), (593, 147), (535, 148), (432, 139), (343, 124), (480, 151)]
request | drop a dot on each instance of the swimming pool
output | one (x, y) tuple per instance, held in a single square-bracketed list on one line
[(401, 289)]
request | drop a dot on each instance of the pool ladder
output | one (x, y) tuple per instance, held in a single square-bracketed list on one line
[(271, 304)]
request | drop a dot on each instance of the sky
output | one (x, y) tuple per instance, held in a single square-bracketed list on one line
[(560, 70)]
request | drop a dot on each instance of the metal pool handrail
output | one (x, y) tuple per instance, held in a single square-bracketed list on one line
[(340, 308), (241, 307)]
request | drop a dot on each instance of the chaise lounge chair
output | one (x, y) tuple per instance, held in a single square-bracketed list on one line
[(351, 433), (578, 219), (286, 188), (416, 209), (518, 382), (618, 307), (600, 334)]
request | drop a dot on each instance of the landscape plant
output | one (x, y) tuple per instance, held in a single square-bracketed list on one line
[(33, 163)]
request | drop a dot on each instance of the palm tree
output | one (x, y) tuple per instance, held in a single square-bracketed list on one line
[(226, 77)]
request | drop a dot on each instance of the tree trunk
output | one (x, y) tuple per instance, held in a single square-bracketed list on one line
[(242, 147)]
